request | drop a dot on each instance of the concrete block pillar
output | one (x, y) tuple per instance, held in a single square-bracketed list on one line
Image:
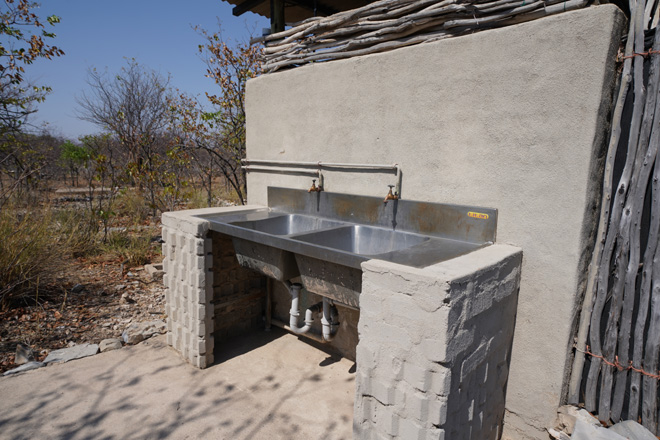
[(189, 281), (435, 347)]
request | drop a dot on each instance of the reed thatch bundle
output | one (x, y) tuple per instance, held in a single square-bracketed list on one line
[(390, 24)]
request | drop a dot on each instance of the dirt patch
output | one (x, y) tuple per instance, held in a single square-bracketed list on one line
[(97, 301)]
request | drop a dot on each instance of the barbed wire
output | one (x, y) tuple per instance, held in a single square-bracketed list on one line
[(649, 52), (617, 364)]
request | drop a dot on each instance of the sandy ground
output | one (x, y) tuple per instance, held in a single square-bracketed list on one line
[(264, 386)]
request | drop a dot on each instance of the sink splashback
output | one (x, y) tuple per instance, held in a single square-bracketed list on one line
[(465, 223)]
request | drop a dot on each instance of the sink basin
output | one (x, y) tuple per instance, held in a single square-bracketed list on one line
[(270, 260), (288, 224), (363, 240), (337, 281), (324, 238)]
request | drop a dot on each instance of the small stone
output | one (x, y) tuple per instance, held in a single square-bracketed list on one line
[(25, 367), (127, 298), (632, 430), (130, 274), (71, 353), (568, 414), (120, 287), (77, 288), (109, 345), (155, 271), (558, 435), (138, 332), (24, 354)]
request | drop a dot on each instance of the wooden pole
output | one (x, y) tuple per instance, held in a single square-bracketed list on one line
[(276, 16)]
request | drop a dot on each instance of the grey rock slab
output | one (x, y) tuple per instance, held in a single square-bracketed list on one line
[(25, 367), (559, 435), (109, 344), (24, 354), (632, 430), (568, 414), (71, 353), (139, 331), (586, 431)]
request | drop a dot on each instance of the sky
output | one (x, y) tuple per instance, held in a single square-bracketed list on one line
[(101, 34)]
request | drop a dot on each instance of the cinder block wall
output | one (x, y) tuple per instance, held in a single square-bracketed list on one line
[(208, 293), (514, 118), (188, 278), (435, 347), (238, 293)]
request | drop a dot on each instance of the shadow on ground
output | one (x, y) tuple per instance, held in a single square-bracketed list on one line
[(263, 385)]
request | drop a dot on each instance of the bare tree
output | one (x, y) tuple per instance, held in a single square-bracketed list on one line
[(219, 135), (132, 105)]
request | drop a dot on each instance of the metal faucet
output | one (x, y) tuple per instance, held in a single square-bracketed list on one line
[(390, 195), (315, 188)]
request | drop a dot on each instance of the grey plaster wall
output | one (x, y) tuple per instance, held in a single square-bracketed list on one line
[(512, 118)]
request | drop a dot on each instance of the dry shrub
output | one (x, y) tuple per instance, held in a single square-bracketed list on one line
[(132, 249), (34, 247), (131, 204), (198, 198)]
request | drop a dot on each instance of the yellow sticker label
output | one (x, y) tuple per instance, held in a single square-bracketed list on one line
[(478, 215)]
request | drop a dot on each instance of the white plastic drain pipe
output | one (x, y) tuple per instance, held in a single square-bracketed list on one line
[(328, 321), (294, 289)]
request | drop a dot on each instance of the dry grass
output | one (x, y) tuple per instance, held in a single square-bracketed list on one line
[(34, 244)]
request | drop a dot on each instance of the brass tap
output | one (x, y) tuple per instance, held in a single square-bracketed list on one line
[(390, 195), (315, 188)]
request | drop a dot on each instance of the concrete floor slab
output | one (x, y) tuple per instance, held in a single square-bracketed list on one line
[(263, 386)]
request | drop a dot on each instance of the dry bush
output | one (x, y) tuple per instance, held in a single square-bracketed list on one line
[(34, 245), (132, 249), (131, 204), (198, 198)]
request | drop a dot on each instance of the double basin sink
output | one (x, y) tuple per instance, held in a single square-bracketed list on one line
[(324, 238)]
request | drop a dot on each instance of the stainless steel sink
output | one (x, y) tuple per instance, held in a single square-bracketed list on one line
[(323, 238), (288, 224), (363, 240)]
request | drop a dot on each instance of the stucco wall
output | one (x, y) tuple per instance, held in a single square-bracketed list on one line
[(512, 118)]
